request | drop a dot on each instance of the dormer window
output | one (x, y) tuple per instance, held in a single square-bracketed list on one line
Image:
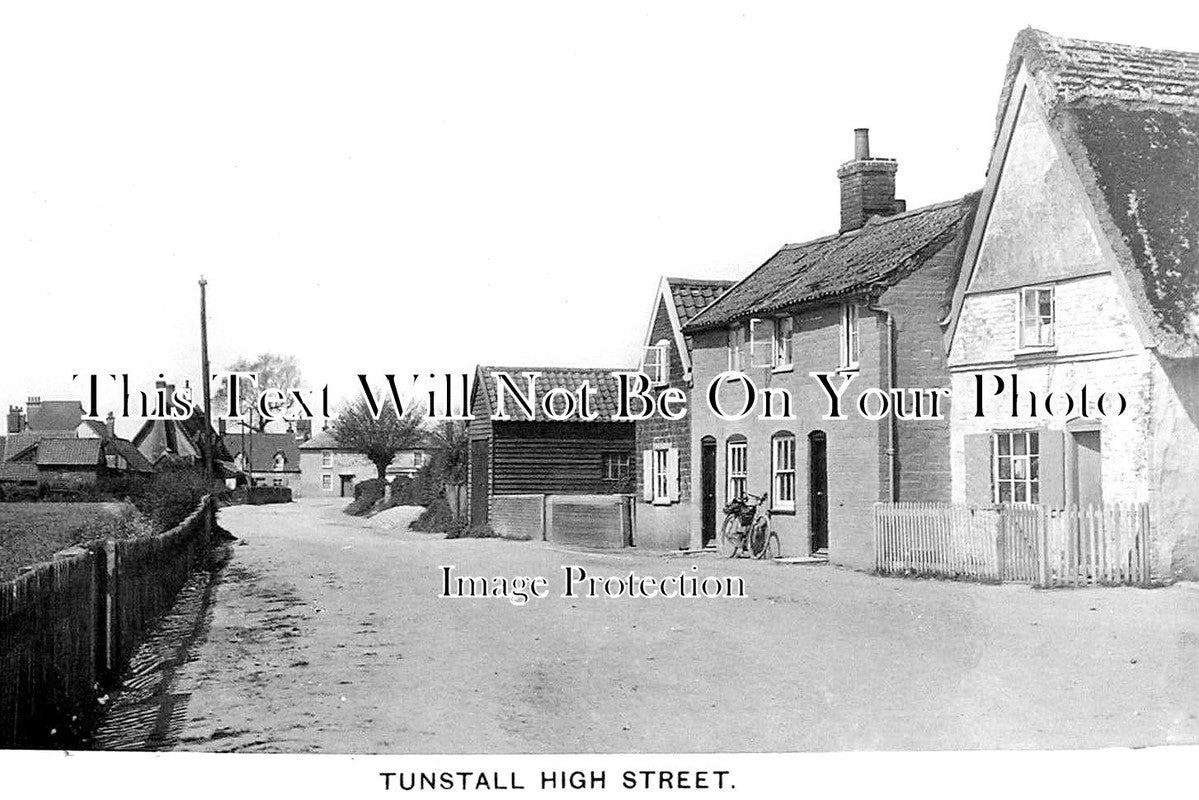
[(280, 461), (1036, 317), (850, 347), (656, 363)]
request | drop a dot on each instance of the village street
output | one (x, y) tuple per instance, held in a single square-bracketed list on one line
[(328, 635)]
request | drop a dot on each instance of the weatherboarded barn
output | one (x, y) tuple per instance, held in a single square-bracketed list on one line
[(532, 476)]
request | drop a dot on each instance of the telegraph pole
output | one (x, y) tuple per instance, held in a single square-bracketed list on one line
[(205, 379)]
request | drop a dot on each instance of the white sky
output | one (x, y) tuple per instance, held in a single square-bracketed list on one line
[(394, 188)]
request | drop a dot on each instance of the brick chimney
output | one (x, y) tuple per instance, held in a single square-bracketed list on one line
[(110, 423), (32, 406), (867, 185), (16, 419)]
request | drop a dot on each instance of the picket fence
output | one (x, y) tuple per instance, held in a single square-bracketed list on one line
[(67, 627), (1044, 546)]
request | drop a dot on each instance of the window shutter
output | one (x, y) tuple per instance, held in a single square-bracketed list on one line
[(978, 469), (1053, 467), (672, 474), (647, 475)]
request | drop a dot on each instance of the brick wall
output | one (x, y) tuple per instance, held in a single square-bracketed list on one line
[(918, 303), (658, 431), (854, 463)]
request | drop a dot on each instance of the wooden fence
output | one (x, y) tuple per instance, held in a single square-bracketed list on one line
[(68, 627), (1022, 543)]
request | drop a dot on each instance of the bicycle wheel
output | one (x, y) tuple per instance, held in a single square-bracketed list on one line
[(731, 536), (771, 549), (759, 538)]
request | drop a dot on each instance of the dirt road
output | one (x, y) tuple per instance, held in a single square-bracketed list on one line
[(329, 636)]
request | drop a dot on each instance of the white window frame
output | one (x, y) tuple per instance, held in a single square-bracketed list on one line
[(1043, 327), (326, 482), (656, 363), (1023, 488), (782, 357), (782, 468), (737, 468), (661, 475), (761, 342), (326, 459), (851, 337), (418, 459), (736, 347)]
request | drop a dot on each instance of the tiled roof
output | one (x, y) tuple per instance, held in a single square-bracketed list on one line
[(135, 461), (260, 449), (18, 471), (603, 388), (68, 452), (16, 443), (875, 255), (693, 295), (55, 415), (98, 427), (322, 440), (1129, 118)]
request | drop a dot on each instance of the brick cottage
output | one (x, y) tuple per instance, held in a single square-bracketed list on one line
[(664, 517), (868, 302)]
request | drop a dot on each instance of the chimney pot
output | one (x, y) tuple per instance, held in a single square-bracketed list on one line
[(867, 185), (861, 144)]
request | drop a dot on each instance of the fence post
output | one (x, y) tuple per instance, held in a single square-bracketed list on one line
[(112, 626), (1143, 535), (1043, 547)]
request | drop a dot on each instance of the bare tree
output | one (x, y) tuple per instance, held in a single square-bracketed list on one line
[(275, 370), (378, 438)]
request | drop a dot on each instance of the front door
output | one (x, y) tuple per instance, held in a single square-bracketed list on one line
[(478, 482), (708, 489), (818, 489), (347, 485)]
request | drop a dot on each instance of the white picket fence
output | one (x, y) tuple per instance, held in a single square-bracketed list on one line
[(1015, 542)]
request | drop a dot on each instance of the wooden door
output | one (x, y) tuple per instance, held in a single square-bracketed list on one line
[(708, 490), (818, 489), (479, 472)]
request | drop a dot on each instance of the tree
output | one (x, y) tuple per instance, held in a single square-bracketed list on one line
[(379, 439), (451, 461), (274, 370)]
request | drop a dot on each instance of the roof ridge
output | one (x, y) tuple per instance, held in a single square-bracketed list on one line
[(709, 281), (552, 369), (877, 221), (1073, 40)]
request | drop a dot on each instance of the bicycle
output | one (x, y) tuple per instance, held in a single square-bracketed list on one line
[(746, 529)]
